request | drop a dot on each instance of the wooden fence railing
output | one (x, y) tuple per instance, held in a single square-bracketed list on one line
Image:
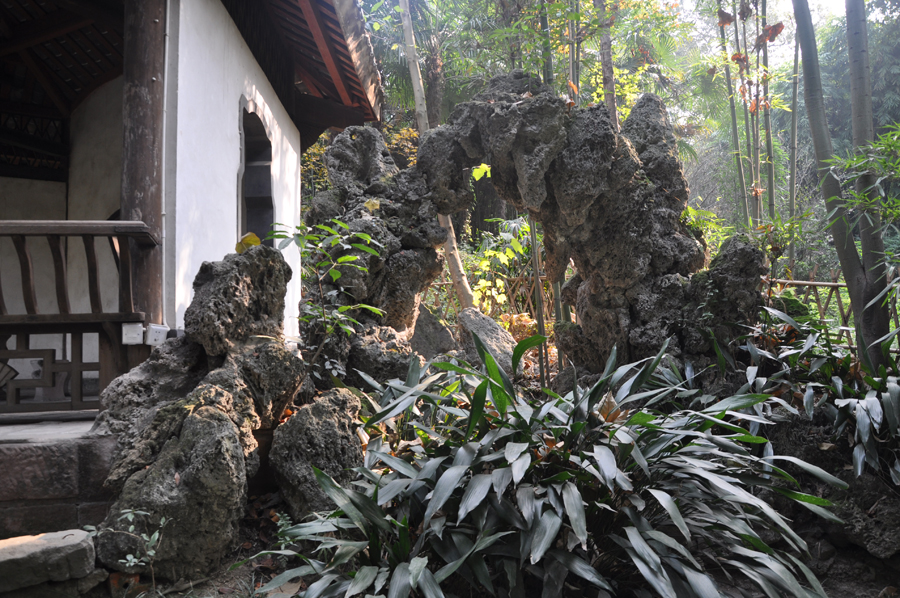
[(26, 234)]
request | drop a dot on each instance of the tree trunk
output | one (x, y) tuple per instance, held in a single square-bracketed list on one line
[(748, 138), (792, 201), (862, 289), (454, 264), (770, 153), (735, 140), (606, 62), (546, 50), (434, 83), (876, 317)]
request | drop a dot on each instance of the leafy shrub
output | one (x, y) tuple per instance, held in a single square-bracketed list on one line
[(468, 482), (800, 359)]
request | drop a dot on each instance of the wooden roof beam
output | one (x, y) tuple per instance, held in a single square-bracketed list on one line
[(111, 14), (46, 80), (323, 42), (35, 144), (30, 110), (361, 53), (30, 34), (314, 85)]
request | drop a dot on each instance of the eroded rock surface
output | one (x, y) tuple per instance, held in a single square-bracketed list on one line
[(431, 337), (609, 201), (496, 340), (319, 435), (185, 418), (395, 208), (236, 298)]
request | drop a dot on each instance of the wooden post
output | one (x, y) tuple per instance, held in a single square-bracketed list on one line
[(144, 61)]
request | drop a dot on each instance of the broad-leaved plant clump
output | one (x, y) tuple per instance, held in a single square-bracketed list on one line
[(471, 487)]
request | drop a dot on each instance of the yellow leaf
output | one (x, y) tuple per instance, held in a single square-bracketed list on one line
[(246, 242), (372, 205)]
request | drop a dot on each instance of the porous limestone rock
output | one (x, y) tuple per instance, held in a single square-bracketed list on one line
[(198, 482), (319, 435), (431, 336), (236, 298), (395, 208), (610, 201), (496, 340), (381, 352), (185, 419)]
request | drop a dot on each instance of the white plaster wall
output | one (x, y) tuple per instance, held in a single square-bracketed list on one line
[(95, 188), (217, 76)]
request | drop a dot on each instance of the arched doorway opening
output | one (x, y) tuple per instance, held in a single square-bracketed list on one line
[(257, 207)]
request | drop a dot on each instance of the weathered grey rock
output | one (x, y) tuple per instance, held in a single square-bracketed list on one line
[(381, 352), (319, 435), (130, 402), (431, 336), (236, 298), (609, 201), (271, 375), (198, 482), (724, 296), (497, 341), (564, 381), (396, 209), (59, 556)]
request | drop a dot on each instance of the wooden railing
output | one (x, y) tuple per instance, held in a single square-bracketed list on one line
[(25, 234), (820, 294)]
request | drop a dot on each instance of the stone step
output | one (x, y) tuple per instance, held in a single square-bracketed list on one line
[(31, 560), (51, 477)]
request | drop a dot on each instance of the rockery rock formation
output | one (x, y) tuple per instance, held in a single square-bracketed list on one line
[(611, 201), (186, 419)]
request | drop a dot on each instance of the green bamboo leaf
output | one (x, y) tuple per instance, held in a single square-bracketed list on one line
[(523, 346), (812, 470), (416, 566), (474, 495), (520, 466), (701, 584), (340, 498), (400, 585), (607, 462), (477, 411), (513, 450), (575, 511), (808, 401), (801, 497), (544, 534), (429, 586), (671, 508), (443, 489), (362, 580), (643, 550), (580, 567)]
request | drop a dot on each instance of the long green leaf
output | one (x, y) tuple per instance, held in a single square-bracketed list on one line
[(429, 586), (523, 346), (477, 411), (672, 509), (580, 567), (474, 495), (400, 586), (544, 534), (812, 470), (361, 582), (575, 511), (443, 489)]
